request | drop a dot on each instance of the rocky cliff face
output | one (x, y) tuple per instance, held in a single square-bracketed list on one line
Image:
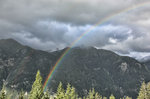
[(84, 68)]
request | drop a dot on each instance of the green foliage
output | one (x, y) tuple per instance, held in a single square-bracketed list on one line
[(37, 90), (46, 95), (21, 95), (68, 93), (128, 97), (3, 93), (148, 90), (93, 95), (143, 92), (73, 94), (60, 92), (112, 97), (104, 97)]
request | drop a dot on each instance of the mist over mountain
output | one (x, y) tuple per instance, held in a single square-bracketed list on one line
[(84, 68), (146, 61)]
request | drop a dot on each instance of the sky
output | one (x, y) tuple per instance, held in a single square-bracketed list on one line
[(52, 24)]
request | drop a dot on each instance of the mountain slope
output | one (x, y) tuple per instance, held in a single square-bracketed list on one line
[(147, 63), (84, 68), (103, 70), (19, 64)]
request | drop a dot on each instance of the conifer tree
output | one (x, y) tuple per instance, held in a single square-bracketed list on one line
[(37, 90), (73, 94), (94, 95), (21, 95), (46, 95), (143, 92), (3, 93), (148, 90), (128, 97), (97, 96), (91, 94), (104, 97), (112, 97), (60, 92), (68, 92)]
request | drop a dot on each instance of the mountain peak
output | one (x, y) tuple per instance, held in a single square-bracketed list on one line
[(8, 41), (10, 45)]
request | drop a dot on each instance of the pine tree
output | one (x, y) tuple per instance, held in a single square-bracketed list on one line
[(60, 92), (21, 95), (91, 94), (68, 92), (148, 90), (143, 92), (104, 97), (46, 95), (37, 90), (3, 93), (97, 96), (128, 97), (112, 97), (73, 94), (94, 95)]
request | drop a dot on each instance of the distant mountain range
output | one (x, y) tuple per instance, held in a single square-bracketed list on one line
[(84, 68)]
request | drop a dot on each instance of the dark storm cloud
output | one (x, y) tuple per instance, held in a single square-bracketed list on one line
[(48, 24)]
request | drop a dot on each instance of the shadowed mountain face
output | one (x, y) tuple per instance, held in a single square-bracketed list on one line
[(84, 68), (147, 63)]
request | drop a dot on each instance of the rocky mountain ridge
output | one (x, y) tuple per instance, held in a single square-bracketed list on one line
[(84, 68)]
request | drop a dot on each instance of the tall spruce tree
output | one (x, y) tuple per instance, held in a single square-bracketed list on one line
[(104, 97), (68, 92), (112, 97), (46, 95), (3, 93), (60, 92), (21, 95), (37, 89), (128, 97), (148, 90), (91, 94), (143, 92), (73, 94), (97, 96)]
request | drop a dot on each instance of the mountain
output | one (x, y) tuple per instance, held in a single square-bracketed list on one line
[(147, 58), (146, 61), (19, 64), (84, 68)]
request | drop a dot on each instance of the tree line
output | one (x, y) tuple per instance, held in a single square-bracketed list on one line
[(37, 92)]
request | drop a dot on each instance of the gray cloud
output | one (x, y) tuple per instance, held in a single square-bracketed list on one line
[(51, 24)]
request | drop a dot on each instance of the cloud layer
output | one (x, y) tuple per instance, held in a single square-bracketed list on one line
[(51, 24)]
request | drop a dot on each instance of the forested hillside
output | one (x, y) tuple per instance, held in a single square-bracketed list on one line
[(69, 92)]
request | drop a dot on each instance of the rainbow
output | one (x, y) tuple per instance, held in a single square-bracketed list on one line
[(52, 71)]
